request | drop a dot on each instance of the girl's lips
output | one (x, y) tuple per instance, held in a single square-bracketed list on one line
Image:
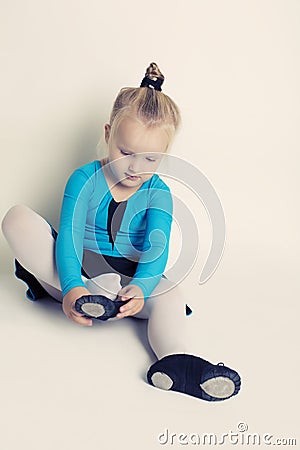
[(132, 177)]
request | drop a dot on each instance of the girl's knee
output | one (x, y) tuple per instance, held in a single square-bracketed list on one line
[(13, 217)]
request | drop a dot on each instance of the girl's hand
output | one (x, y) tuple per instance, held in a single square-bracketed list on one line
[(135, 305), (68, 305)]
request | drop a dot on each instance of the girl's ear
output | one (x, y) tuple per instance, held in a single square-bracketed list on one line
[(107, 131)]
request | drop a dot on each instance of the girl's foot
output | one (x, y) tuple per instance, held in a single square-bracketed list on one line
[(194, 376), (35, 290), (98, 306)]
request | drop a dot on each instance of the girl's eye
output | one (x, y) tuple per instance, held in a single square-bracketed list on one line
[(125, 153)]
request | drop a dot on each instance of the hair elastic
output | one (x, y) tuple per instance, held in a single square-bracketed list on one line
[(155, 83)]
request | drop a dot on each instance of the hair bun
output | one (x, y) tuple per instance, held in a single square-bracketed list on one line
[(153, 77)]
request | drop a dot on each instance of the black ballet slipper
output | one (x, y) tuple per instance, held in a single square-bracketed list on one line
[(194, 376), (98, 306), (35, 290)]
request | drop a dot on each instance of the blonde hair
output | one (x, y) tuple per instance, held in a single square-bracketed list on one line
[(148, 106)]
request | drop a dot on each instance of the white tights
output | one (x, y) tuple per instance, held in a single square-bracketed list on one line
[(29, 237)]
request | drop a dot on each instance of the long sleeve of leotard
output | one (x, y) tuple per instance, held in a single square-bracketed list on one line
[(69, 243), (155, 250)]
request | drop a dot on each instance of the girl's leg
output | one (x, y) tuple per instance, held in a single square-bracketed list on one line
[(30, 238), (167, 320)]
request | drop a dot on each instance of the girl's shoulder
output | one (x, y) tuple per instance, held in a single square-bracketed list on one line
[(90, 166), (158, 183), (160, 194), (89, 169), (84, 175)]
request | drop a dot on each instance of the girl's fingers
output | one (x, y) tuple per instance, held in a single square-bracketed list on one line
[(127, 307), (124, 313), (79, 318), (126, 296), (129, 310)]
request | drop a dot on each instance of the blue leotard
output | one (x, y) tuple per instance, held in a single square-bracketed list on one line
[(139, 233)]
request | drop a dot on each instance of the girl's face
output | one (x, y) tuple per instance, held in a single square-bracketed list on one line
[(136, 151)]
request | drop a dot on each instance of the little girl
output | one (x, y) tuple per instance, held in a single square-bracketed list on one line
[(113, 241)]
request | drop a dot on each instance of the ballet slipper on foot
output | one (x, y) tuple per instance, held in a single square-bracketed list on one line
[(194, 376), (35, 290)]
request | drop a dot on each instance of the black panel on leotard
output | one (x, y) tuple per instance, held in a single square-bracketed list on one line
[(115, 215)]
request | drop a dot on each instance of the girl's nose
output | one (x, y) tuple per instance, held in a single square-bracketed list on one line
[(135, 165)]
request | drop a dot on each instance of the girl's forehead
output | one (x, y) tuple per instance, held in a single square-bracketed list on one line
[(131, 134)]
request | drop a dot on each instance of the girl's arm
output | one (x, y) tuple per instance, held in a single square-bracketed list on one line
[(69, 243), (156, 242)]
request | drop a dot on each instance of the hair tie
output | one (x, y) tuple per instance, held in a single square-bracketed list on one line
[(155, 83)]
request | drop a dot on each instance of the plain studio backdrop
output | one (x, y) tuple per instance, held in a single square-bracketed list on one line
[(233, 68)]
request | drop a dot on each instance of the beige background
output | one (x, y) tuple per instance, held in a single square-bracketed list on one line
[(233, 68)]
